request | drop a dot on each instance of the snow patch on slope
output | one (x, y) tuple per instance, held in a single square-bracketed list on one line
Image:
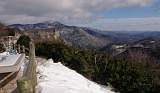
[(56, 78)]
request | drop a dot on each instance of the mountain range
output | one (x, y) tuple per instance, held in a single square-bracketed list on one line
[(73, 35), (83, 36)]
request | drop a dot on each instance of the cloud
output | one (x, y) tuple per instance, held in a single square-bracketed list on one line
[(130, 24), (67, 11), (44, 7), (69, 8)]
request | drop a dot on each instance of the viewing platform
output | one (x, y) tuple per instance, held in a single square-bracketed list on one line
[(17, 70), (11, 63)]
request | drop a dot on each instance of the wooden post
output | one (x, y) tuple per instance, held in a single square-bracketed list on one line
[(24, 85), (23, 49), (28, 83), (31, 70), (19, 48), (14, 46), (33, 62)]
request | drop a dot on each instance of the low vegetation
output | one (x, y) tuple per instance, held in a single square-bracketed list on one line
[(6, 31), (24, 41), (2, 48), (124, 76)]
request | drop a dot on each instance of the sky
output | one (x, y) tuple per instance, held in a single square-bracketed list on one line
[(108, 15)]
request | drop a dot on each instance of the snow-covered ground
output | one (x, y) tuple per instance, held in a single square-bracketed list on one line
[(4, 53), (8, 60), (56, 78)]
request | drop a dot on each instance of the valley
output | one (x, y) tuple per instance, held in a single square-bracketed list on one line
[(101, 57)]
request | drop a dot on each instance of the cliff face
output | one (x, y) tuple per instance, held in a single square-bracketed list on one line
[(44, 35), (77, 37)]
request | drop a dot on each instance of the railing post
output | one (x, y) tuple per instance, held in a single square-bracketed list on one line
[(33, 62), (23, 49), (24, 85), (29, 81), (31, 70), (14, 46), (19, 48)]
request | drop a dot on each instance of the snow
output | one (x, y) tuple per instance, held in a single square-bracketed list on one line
[(56, 78), (8, 60), (4, 54), (24, 66)]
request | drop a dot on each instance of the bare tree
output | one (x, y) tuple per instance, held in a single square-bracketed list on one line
[(138, 57)]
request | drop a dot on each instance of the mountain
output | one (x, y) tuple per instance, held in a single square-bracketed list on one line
[(131, 36), (149, 42), (72, 35), (5, 31), (140, 55), (147, 50), (44, 25), (82, 36)]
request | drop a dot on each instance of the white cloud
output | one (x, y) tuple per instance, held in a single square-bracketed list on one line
[(69, 8), (67, 11), (130, 24)]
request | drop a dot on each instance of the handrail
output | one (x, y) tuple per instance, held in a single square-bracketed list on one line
[(28, 82)]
